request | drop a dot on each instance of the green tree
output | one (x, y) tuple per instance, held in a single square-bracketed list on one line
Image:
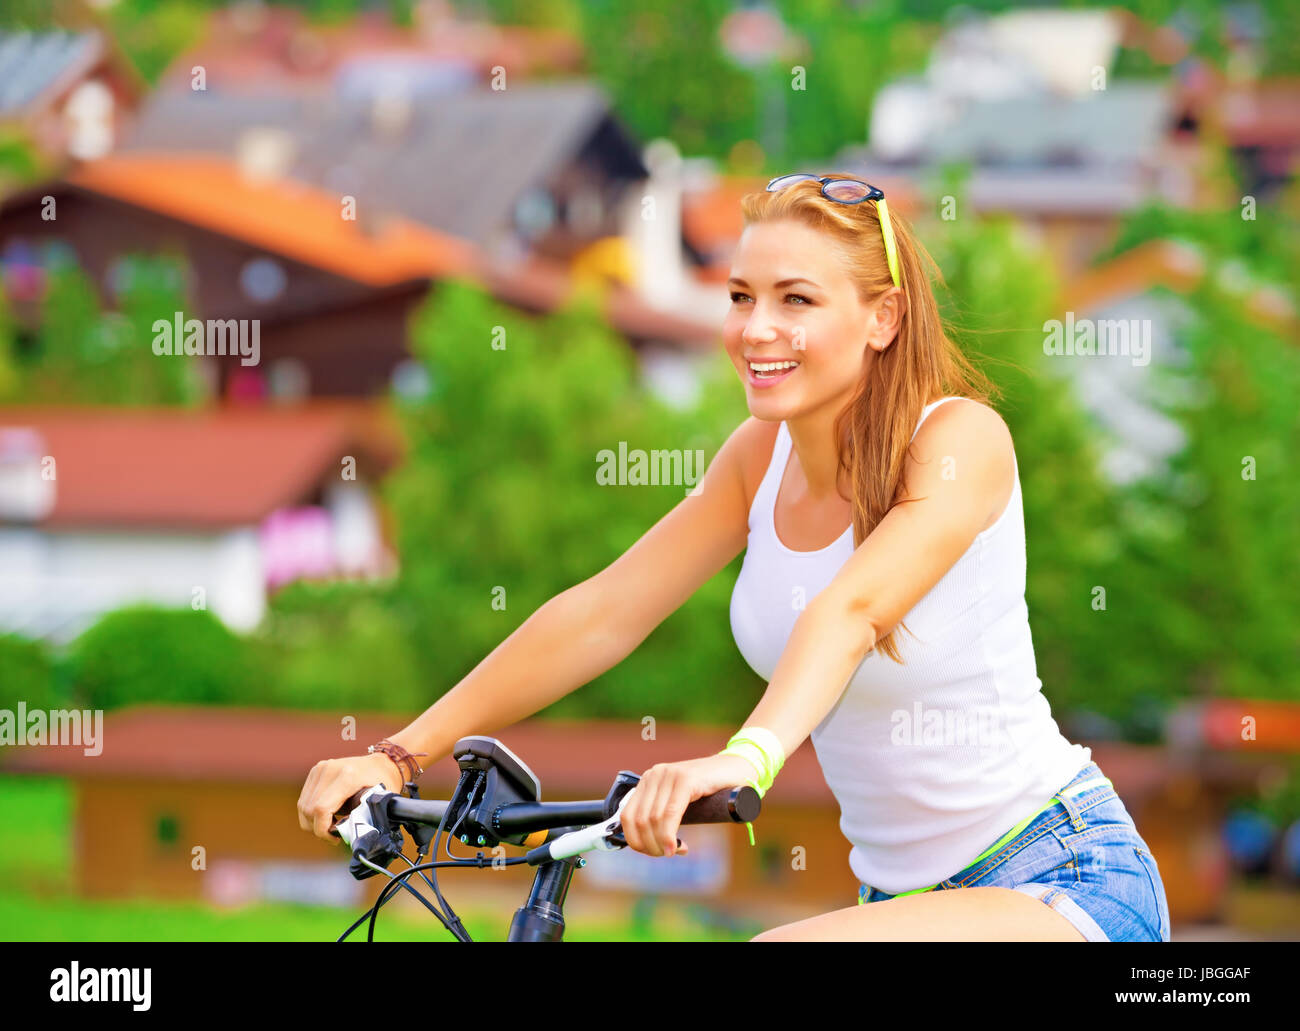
[(86, 354), (498, 499)]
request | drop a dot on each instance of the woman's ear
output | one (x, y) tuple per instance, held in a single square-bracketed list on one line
[(886, 318)]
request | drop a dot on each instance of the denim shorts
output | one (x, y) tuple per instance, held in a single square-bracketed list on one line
[(1084, 858)]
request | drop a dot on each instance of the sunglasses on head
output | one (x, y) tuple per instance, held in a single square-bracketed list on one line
[(850, 191)]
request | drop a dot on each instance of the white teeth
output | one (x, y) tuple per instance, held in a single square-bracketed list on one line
[(772, 366)]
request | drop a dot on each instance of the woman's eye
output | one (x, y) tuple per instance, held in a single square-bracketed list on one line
[(737, 296)]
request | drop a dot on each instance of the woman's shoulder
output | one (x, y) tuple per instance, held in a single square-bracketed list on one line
[(749, 451), (970, 433), (959, 416)]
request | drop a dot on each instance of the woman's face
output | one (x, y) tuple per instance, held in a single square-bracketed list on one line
[(796, 315)]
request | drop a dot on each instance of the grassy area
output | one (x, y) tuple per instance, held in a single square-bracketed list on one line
[(37, 903)]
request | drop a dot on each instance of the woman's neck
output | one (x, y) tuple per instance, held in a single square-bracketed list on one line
[(813, 438)]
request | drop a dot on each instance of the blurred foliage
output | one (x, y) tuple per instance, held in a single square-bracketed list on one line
[(1189, 559), (83, 353), (1222, 527), (1219, 533), (499, 491), (1193, 561), (339, 646), (668, 74), (146, 653), (27, 673), (998, 294), (20, 162)]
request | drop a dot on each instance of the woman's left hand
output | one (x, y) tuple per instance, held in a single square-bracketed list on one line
[(654, 808)]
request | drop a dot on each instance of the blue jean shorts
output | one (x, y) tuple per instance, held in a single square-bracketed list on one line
[(1084, 858)]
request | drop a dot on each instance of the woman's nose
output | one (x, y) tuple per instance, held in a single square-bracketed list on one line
[(758, 329)]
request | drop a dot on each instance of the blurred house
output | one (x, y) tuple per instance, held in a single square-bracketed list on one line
[(1086, 148), (101, 508), (1258, 120), (1143, 292), (540, 170), (170, 779), (332, 295), (252, 43), (70, 93)]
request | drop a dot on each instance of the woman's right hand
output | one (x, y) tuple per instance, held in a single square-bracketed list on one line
[(332, 782)]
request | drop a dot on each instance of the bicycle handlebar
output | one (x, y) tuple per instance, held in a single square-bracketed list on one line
[(730, 805), (497, 801)]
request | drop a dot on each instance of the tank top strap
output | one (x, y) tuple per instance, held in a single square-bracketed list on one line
[(925, 412), (771, 483)]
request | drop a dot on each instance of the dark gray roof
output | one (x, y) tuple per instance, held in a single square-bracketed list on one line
[(31, 62), (462, 160)]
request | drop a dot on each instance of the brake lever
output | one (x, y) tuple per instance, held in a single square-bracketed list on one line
[(617, 838)]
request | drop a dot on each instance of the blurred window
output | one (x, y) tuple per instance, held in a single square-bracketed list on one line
[(262, 279)]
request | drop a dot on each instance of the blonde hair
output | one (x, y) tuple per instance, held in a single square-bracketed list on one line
[(922, 364)]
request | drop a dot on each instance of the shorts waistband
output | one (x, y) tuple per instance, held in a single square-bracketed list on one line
[(1089, 783)]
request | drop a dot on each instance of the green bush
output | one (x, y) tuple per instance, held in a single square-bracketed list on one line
[(340, 646), (144, 654), (27, 673)]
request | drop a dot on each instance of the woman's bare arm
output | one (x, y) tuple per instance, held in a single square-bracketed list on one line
[(591, 627), (574, 637)]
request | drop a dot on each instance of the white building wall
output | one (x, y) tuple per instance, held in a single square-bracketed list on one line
[(55, 584)]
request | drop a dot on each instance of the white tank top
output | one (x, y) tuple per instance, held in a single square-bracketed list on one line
[(934, 760)]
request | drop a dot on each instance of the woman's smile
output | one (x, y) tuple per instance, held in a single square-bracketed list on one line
[(770, 372)]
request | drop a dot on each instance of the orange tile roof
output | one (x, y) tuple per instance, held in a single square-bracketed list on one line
[(291, 218), (210, 468), (304, 223)]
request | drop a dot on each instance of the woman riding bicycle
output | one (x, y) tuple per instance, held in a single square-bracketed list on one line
[(876, 496)]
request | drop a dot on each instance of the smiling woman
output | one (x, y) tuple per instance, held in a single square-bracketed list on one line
[(875, 494), (868, 518)]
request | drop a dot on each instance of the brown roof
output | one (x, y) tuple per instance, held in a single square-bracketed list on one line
[(224, 466), (299, 221), (578, 759)]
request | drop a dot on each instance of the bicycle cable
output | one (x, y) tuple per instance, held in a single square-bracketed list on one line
[(389, 890), (374, 910), (453, 922)]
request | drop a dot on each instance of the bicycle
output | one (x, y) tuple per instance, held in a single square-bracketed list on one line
[(498, 800)]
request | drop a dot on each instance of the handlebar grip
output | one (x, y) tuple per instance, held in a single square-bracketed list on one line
[(345, 810), (730, 805)]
